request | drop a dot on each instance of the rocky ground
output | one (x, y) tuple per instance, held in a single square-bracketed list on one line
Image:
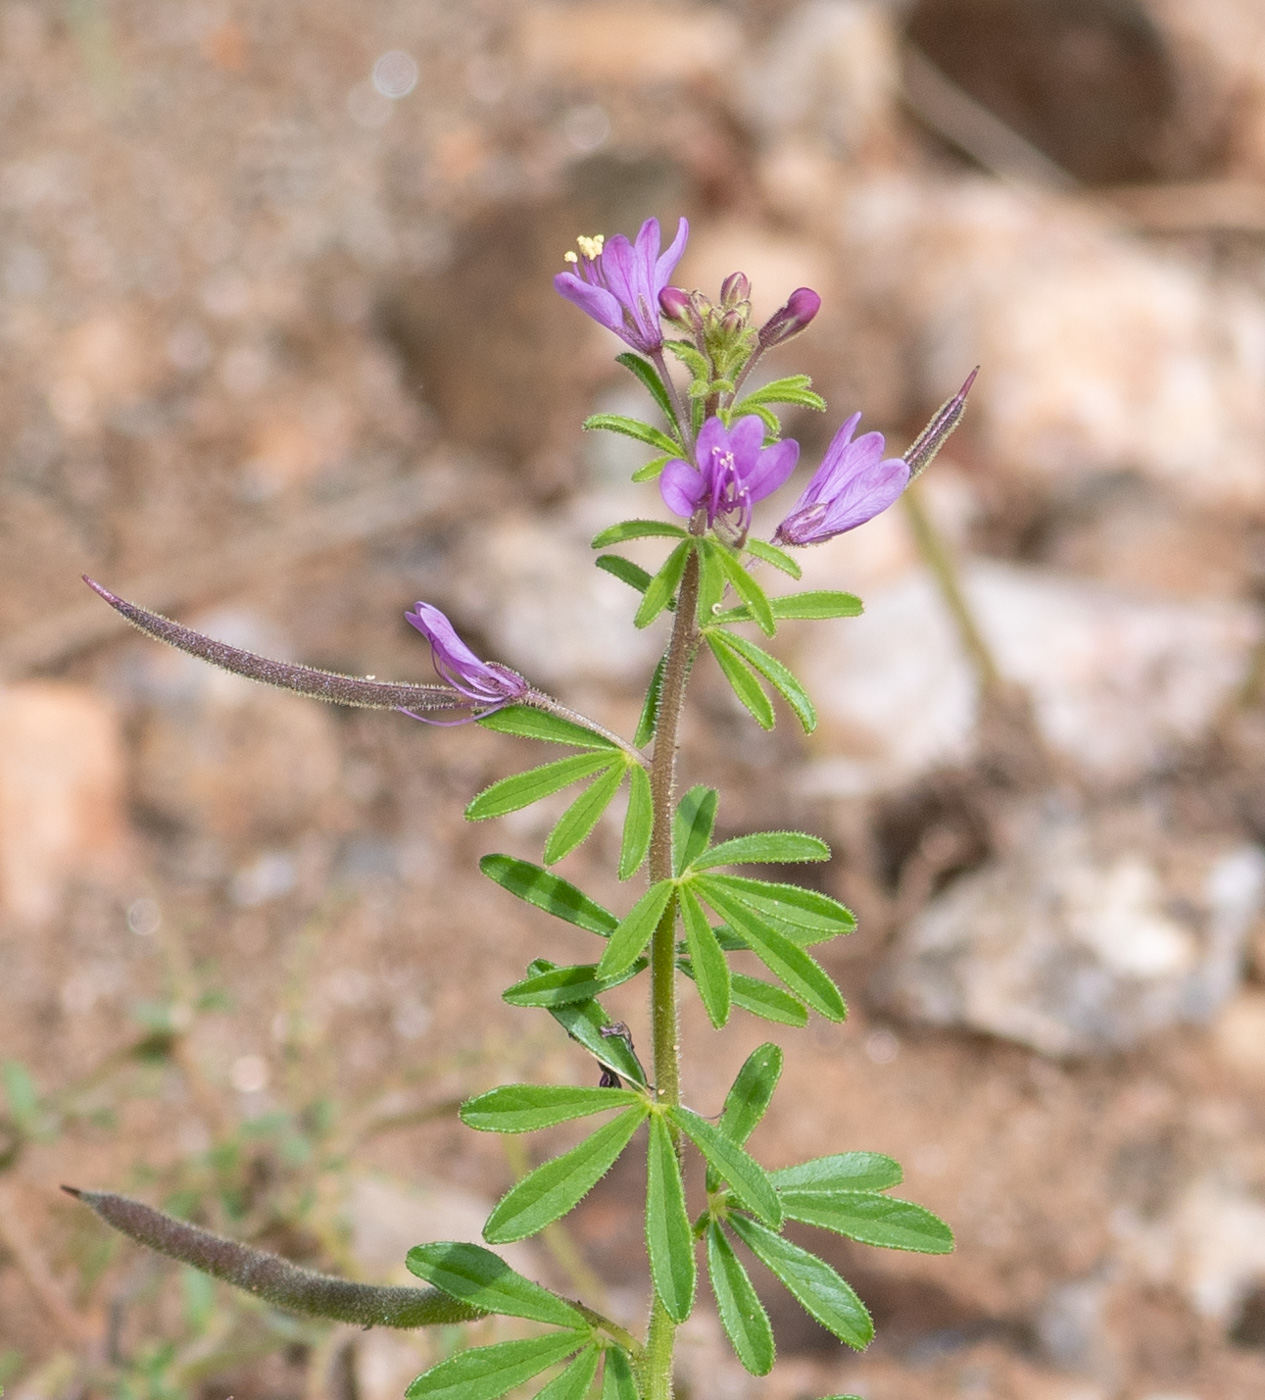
[(282, 356)]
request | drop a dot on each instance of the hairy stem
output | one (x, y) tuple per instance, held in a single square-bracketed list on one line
[(657, 1371), (539, 700)]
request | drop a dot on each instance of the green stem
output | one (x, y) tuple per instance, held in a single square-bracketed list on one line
[(660, 1341)]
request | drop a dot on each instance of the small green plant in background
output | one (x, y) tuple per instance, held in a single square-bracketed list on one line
[(719, 452)]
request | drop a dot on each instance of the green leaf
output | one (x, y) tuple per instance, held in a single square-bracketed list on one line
[(618, 1382), (786, 960), (747, 1179), (560, 1184), (766, 1001), (577, 822), (636, 530), (574, 1382), (791, 904), (669, 1239), (841, 1171), (662, 587), (765, 848), (693, 824), (772, 423), (800, 607), (649, 717), (711, 581), (487, 1373), (562, 986), (771, 554), (752, 1091), (629, 940), (584, 1022), (741, 1313), (531, 723), (780, 677), (694, 360), (633, 428), (817, 1288), (792, 388), (638, 822), (653, 469), (521, 790), (649, 376), (710, 968), (624, 570), (476, 1276), (877, 1220), (535, 885), (747, 589), (525, 1108), (745, 686)]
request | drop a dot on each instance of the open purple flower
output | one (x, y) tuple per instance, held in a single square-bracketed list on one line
[(618, 282), (853, 484), (486, 684), (734, 471)]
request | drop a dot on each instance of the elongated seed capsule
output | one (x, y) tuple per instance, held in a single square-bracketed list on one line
[(933, 436), (268, 1276), (303, 680)]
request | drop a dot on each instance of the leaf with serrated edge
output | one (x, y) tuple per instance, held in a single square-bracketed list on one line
[(629, 940), (765, 847), (525, 1108), (741, 1313), (841, 1171), (556, 896), (768, 1002), (638, 823), (636, 530), (617, 1376), (883, 1221), (560, 1184), (574, 1383), (692, 826), (562, 986), (708, 964), (531, 723), (786, 960), (811, 606), (744, 684), (815, 1286), (522, 789), (487, 1373), (669, 1239), (780, 677), (576, 824), (584, 1022), (747, 1179), (484, 1280)]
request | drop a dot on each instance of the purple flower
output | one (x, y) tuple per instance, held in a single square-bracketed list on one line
[(486, 684), (852, 485), (618, 282), (787, 321), (734, 471)]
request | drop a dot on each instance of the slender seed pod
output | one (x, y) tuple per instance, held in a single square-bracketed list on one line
[(275, 1280)]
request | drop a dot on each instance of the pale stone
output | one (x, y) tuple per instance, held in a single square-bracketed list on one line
[(1239, 1034), (62, 800)]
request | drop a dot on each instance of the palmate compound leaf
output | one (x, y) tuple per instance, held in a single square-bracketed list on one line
[(562, 986), (522, 789), (530, 723), (742, 681), (785, 959), (764, 848), (669, 1239), (524, 1108), (476, 1276), (577, 822), (556, 896), (748, 1181), (780, 677), (816, 1287), (561, 1183), (811, 606), (638, 823), (741, 1313), (629, 940), (487, 1373), (870, 1219), (587, 1023), (693, 824)]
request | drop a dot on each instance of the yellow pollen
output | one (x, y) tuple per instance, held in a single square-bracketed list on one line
[(570, 257), (591, 247)]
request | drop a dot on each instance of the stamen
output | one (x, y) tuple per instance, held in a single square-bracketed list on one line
[(591, 247), (570, 257)]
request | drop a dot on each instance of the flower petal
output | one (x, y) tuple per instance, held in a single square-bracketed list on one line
[(773, 466), (866, 495), (664, 268), (593, 301), (682, 488)]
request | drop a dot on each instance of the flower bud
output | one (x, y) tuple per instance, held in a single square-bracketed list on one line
[(801, 306), (733, 289), (674, 302)]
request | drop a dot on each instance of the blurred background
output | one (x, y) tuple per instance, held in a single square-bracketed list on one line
[(282, 356)]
